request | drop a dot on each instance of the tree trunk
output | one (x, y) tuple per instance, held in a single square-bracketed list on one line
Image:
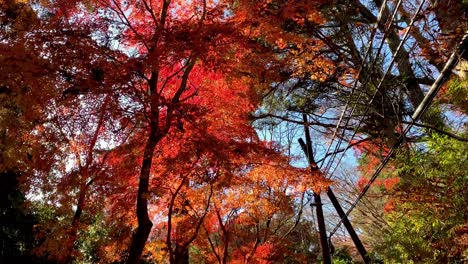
[(73, 234), (144, 223), (181, 255), (84, 171)]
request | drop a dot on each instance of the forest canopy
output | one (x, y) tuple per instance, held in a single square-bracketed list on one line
[(233, 131)]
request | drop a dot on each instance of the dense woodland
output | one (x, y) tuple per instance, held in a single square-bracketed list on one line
[(166, 131)]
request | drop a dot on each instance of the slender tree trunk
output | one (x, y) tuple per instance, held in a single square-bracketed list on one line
[(181, 255), (156, 134), (226, 248), (225, 238), (144, 223), (73, 233), (84, 171)]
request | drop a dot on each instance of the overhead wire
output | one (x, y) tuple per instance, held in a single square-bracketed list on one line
[(388, 70), (420, 110), (361, 67), (373, 65), (378, 88)]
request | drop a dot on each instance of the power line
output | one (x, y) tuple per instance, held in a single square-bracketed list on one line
[(378, 88), (397, 51), (420, 110), (373, 65), (361, 67)]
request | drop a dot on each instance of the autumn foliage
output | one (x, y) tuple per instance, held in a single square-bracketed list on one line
[(149, 112), (131, 126)]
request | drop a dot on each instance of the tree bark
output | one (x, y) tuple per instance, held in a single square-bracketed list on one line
[(144, 223), (181, 255), (86, 182), (73, 234)]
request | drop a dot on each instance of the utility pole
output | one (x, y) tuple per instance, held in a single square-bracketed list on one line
[(307, 148), (352, 233)]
